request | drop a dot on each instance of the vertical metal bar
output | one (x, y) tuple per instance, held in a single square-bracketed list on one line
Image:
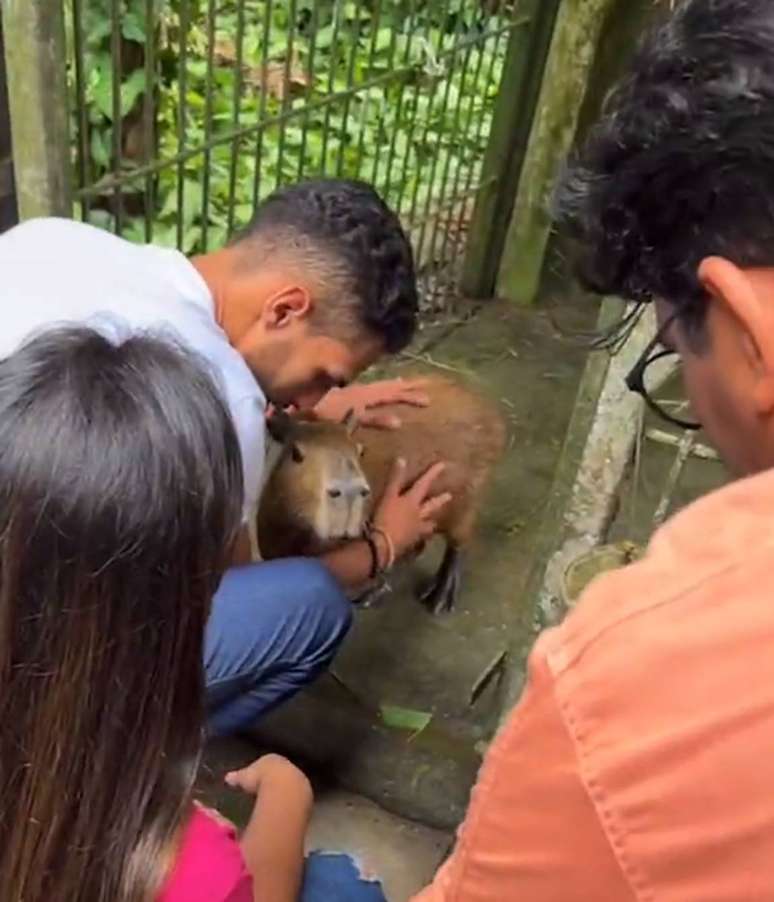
[(454, 142), (375, 21), (390, 155), (414, 118), (267, 12), (307, 119), (480, 126), (35, 55), (149, 112), (461, 164), (182, 114), (425, 135), (480, 170), (237, 101), (208, 113), (84, 156), (673, 477), (355, 46), (286, 99), (337, 13), (116, 84)]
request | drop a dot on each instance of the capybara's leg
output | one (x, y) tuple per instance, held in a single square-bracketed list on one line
[(441, 597)]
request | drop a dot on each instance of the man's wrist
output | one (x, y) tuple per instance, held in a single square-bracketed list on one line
[(384, 545)]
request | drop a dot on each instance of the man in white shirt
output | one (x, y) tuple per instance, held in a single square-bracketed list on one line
[(316, 288)]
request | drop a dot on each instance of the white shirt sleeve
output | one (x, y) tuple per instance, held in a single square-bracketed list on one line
[(250, 423)]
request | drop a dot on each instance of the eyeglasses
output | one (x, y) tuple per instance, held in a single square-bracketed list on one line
[(637, 380)]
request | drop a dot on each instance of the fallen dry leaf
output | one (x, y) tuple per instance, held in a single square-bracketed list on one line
[(272, 79)]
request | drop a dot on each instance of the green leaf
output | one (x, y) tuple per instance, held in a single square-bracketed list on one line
[(133, 27), (131, 89), (324, 38), (384, 38), (100, 147), (165, 236), (191, 239), (101, 218), (192, 203), (405, 718)]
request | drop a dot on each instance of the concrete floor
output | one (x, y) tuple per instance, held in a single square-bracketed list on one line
[(447, 667), (402, 854), (400, 655)]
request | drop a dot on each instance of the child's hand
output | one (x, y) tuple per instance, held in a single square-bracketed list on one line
[(269, 769)]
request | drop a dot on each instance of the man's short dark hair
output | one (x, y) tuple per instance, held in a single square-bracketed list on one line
[(345, 234), (682, 165)]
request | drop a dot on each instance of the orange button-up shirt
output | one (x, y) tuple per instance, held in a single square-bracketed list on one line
[(639, 763)]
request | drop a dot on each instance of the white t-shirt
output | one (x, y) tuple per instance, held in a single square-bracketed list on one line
[(57, 271)]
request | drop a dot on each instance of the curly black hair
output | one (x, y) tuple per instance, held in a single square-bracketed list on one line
[(349, 223), (681, 166)]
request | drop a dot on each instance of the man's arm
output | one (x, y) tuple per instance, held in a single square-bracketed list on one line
[(531, 834), (350, 564)]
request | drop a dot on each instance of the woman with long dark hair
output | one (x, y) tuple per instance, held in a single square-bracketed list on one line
[(120, 497)]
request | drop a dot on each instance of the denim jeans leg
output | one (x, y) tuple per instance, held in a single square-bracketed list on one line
[(334, 877), (274, 627)]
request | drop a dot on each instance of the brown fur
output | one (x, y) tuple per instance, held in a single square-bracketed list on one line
[(290, 493), (459, 427)]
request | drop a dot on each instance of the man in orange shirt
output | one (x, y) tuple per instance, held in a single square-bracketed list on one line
[(639, 764)]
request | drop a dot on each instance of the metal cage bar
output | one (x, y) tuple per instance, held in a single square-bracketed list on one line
[(236, 97)]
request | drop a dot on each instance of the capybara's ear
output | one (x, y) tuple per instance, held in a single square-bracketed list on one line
[(350, 421), (296, 453), (280, 426)]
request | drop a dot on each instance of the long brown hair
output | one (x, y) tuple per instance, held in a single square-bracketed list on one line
[(120, 491)]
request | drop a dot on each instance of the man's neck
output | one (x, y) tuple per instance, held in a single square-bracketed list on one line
[(211, 267)]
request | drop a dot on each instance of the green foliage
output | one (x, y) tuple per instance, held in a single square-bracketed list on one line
[(371, 90)]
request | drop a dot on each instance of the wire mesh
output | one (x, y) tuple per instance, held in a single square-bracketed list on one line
[(186, 113)]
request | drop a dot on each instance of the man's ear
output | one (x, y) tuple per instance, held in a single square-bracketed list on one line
[(735, 294), (291, 304), (738, 295)]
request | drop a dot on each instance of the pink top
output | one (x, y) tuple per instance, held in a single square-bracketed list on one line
[(209, 866)]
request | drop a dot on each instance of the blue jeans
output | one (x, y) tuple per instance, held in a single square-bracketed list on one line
[(274, 627), (330, 877)]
